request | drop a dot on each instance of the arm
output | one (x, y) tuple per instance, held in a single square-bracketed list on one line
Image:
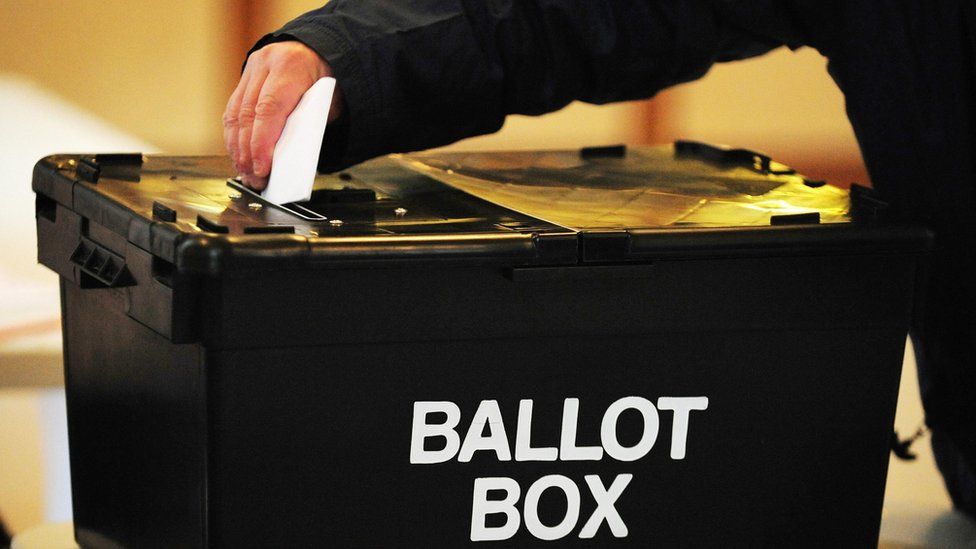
[(415, 75)]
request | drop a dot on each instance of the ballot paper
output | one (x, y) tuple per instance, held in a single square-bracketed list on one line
[(296, 154)]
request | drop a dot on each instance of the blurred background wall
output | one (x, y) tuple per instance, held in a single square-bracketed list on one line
[(160, 72)]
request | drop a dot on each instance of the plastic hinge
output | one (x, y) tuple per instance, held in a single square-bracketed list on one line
[(534, 226), (104, 266)]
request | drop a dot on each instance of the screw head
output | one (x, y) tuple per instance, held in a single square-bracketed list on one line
[(255, 206), (233, 195), (400, 212), (335, 222)]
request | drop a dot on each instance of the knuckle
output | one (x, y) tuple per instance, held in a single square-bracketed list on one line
[(229, 120), (259, 55), (294, 54), (285, 48), (245, 116), (267, 107)]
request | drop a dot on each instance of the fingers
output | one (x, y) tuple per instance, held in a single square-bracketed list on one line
[(274, 80), (230, 118), (245, 120), (254, 182)]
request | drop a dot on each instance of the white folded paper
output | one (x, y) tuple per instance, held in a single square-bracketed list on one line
[(296, 154)]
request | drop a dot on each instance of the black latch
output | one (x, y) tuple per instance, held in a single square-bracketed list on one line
[(119, 159), (100, 264), (866, 205), (810, 218), (345, 195), (270, 229), (604, 246), (737, 157), (122, 166), (88, 169), (211, 226), (161, 212), (612, 151)]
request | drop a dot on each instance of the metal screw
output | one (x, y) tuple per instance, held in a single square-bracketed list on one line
[(255, 206), (233, 195), (313, 233), (335, 222), (400, 212)]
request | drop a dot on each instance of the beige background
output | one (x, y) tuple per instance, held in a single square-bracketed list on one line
[(162, 71)]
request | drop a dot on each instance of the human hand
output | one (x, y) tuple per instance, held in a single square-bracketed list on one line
[(274, 80)]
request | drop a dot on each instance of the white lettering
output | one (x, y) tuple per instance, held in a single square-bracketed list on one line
[(422, 430), (531, 511), (605, 510), (488, 415), (682, 407), (568, 451), (608, 429), (481, 507), (523, 438)]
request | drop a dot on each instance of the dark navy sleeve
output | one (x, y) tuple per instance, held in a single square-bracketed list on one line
[(416, 75)]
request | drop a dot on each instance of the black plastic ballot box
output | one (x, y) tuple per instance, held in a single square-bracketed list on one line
[(682, 345)]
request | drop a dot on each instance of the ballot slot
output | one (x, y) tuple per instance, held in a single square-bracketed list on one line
[(294, 208), (343, 206), (346, 204)]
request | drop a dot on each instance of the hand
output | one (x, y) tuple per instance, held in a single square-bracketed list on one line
[(274, 80)]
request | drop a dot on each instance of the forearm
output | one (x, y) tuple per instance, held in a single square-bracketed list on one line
[(422, 74)]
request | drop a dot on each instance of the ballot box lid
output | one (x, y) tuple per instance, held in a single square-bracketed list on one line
[(594, 205)]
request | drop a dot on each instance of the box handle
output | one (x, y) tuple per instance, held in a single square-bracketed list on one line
[(100, 267)]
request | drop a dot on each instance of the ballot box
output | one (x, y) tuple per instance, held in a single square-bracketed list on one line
[(682, 345)]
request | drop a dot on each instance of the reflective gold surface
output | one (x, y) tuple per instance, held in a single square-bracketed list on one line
[(649, 187)]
